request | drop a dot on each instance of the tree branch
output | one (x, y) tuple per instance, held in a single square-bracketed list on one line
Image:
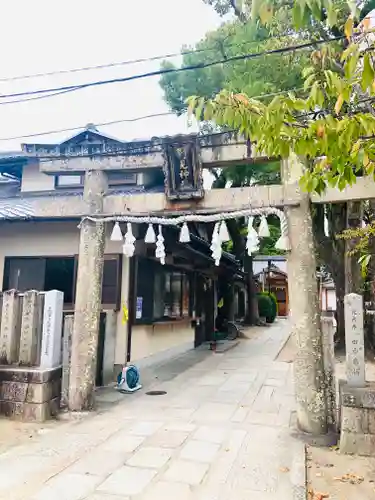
[(238, 12)]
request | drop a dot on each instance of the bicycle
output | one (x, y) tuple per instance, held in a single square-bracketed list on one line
[(229, 331)]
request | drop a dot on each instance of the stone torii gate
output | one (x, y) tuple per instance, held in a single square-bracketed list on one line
[(182, 159)]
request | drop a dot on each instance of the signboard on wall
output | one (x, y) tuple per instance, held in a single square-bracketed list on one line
[(138, 310)]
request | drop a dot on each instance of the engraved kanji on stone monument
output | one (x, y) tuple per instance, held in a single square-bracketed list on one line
[(52, 329), (9, 332), (29, 328), (354, 339)]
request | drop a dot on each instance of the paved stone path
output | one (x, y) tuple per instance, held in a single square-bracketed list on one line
[(222, 431)]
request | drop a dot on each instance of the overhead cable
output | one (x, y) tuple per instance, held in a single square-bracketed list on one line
[(165, 71)]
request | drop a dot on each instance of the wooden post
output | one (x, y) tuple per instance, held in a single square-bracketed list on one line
[(88, 297), (303, 290)]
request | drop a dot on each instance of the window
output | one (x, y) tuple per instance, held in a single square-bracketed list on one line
[(111, 287), (42, 274), (60, 273), (165, 292), (64, 181), (77, 180), (118, 178)]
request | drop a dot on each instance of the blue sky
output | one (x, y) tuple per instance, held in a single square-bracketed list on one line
[(44, 36)]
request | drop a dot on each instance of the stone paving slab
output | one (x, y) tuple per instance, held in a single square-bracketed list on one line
[(223, 431)]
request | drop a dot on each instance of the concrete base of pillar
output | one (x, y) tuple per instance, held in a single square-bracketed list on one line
[(30, 394), (357, 408)]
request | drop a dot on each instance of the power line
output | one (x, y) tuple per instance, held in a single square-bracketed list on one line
[(37, 98), (54, 94), (174, 70), (72, 129), (125, 120), (157, 141), (139, 60)]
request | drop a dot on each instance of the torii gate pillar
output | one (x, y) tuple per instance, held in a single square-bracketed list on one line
[(305, 315), (88, 297)]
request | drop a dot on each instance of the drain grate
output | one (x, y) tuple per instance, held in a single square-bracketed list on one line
[(156, 393)]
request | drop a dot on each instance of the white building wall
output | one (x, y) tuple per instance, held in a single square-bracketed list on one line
[(34, 180), (60, 238)]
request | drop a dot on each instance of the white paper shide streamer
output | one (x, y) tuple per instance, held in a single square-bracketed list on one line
[(220, 234), (223, 232), (150, 234), (160, 248), (116, 234), (283, 242), (128, 247), (184, 234), (252, 242), (216, 245), (263, 230)]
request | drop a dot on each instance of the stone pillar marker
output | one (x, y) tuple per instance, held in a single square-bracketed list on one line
[(67, 354), (9, 331), (305, 314), (354, 340), (88, 297), (29, 328), (52, 329), (328, 332)]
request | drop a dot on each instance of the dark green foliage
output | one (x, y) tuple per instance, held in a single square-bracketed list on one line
[(272, 296), (267, 306), (267, 74)]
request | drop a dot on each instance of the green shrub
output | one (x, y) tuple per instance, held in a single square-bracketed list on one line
[(267, 306), (264, 306), (272, 296)]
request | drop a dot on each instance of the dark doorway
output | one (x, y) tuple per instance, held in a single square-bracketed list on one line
[(59, 275), (199, 304), (205, 310), (209, 304)]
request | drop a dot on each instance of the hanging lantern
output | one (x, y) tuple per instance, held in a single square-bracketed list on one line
[(150, 234), (128, 247), (223, 232), (263, 231), (160, 248), (184, 234), (116, 234)]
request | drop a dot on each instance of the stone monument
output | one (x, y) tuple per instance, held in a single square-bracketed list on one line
[(52, 330), (357, 397), (354, 340), (30, 380), (9, 339)]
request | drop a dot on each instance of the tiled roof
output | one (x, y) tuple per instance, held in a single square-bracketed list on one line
[(15, 209), (17, 206)]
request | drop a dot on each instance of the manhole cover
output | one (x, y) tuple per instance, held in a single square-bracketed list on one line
[(156, 393)]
